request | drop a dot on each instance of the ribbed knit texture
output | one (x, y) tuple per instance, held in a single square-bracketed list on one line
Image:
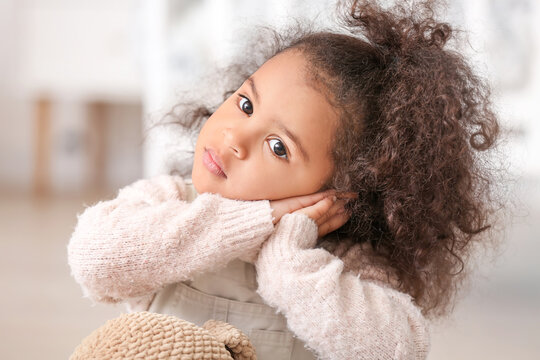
[(342, 307), (148, 237)]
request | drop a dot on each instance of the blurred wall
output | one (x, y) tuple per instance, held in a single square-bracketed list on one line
[(15, 132), (74, 57)]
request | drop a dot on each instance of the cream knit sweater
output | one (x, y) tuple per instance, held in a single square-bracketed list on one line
[(337, 297)]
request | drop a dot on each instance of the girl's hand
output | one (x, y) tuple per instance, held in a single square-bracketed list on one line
[(289, 205), (329, 214), (324, 208)]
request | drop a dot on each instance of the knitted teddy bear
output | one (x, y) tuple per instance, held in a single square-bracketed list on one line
[(145, 335)]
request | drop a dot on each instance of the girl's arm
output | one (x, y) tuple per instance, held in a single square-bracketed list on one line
[(338, 315), (148, 237)]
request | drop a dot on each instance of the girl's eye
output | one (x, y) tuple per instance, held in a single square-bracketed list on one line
[(278, 148), (245, 105)]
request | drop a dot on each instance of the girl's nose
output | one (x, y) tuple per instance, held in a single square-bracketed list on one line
[(236, 142)]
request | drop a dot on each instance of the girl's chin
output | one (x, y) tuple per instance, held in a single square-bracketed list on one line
[(209, 187)]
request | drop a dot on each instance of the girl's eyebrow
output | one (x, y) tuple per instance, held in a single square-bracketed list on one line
[(251, 83), (282, 126)]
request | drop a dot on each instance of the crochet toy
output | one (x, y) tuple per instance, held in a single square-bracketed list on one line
[(145, 335)]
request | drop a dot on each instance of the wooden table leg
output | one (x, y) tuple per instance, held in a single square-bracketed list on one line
[(97, 117), (42, 150)]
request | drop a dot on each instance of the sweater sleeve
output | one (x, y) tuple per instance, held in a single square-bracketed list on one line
[(148, 237), (335, 313)]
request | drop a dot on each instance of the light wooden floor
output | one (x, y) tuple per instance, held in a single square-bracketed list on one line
[(44, 315)]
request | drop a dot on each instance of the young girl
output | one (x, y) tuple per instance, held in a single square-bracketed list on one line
[(334, 197)]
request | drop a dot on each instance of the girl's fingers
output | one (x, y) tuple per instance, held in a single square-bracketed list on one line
[(321, 206), (304, 201), (318, 209), (347, 195), (333, 223), (288, 205), (339, 204), (312, 199)]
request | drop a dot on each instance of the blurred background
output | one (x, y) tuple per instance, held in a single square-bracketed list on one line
[(81, 81)]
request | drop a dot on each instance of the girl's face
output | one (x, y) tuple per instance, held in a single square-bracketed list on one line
[(271, 139)]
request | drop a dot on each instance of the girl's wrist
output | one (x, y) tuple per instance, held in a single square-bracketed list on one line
[(299, 228)]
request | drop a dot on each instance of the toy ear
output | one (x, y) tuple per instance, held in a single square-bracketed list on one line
[(235, 340), (144, 335)]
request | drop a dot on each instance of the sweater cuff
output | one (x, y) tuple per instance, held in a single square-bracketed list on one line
[(245, 217), (296, 231)]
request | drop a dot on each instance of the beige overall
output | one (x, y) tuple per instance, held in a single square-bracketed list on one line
[(230, 295)]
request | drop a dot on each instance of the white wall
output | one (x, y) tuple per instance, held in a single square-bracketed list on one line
[(15, 127), (505, 47), (79, 48)]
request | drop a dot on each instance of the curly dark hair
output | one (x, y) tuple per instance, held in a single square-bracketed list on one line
[(415, 120)]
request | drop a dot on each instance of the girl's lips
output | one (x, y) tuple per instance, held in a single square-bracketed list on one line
[(213, 163)]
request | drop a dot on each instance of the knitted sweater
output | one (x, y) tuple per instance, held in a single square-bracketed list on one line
[(339, 298)]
